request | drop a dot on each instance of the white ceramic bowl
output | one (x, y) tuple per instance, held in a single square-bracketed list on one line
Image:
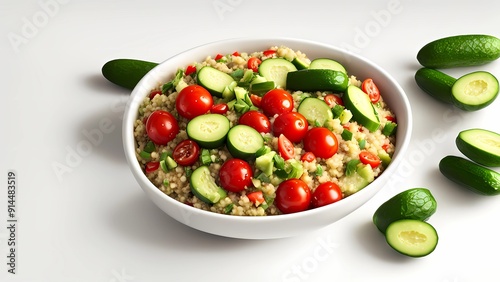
[(271, 226)]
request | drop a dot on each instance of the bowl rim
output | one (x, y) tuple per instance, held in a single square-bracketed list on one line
[(137, 96)]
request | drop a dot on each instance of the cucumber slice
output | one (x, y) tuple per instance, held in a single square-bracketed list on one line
[(276, 69), (361, 107), (126, 72), (315, 110), (474, 91), (459, 51), (435, 83), (411, 237), (317, 80), (323, 63), (415, 203), (214, 80), (244, 141), (203, 186), (209, 130), (470, 175), (262, 87), (480, 145)]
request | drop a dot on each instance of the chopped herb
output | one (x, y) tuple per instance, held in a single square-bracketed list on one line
[(319, 170), (150, 147), (228, 208), (279, 162), (389, 128), (166, 182), (351, 166), (346, 135), (145, 155)]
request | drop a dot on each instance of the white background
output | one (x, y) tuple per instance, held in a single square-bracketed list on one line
[(81, 215)]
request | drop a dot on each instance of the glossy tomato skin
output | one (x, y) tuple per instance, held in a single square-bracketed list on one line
[(186, 153), (256, 120), (369, 158), (235, 175), (291, 124), (325, 194), (370, 88), (286, 148), (293, 195), (276, 101), (161, 127), (192, 101), (321, 142)]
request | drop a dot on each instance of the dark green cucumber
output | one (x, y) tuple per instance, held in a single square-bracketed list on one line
[(358, 102), (435, 83), (470, 175), (203, 186), (480, 145), (317, 80), (474, 91), (126, 72), (411, 237), (459, 51)]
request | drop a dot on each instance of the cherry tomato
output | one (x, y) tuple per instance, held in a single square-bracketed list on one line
[(268, 53), (219, 109), (190, 69), (308, 157), (161, 127), (321, 142), (292, 195), (326, 193), (235, 175), (370, 88), (154, 93), (186, 153), (285, 147), (292, 124), (256, 100), (332, 100), (193, 100), (256, 197), (369, 158), (152, 166), (276, 101), (256, 120), (254, 63)]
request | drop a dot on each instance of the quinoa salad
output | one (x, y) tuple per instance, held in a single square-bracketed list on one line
[(267, 132)]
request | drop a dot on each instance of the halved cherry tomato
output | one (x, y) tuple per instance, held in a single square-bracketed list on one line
[(332, 100), (161, 127), (292, 195), (291, 124), (256, 197), (308, 157), (219, 109), (218, 57), (256, 100), (186, 153), (321, 142), (190, 69), (193, 100), (276, 101), (256, 120), (235, 175), (154, 93), (326, 193), (285, 147), (369, 158), (152, 166), (254, 63), (268, 53), (370, 88)]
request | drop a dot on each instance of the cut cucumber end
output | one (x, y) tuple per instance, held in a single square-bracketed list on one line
[(475, 91), (411, 237), (480, 145), (435, 83)]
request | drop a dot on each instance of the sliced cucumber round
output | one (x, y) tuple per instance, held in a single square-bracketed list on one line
[(315, 110), (214, 80), (358, 102), (435, 83), (480, 145), (276, 69), (470, 175), (324, 63), (474, 91), (209, 130), (203, 186), (317, 80), (244, 141), (411, 237)]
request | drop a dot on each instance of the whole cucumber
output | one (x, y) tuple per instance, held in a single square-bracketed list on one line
[(126, 72)]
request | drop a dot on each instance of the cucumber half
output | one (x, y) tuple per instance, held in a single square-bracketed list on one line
[(276, 69), (361, 107), (474, 91), (411, 237), (480, 145), (435, 83), (209, 130)]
